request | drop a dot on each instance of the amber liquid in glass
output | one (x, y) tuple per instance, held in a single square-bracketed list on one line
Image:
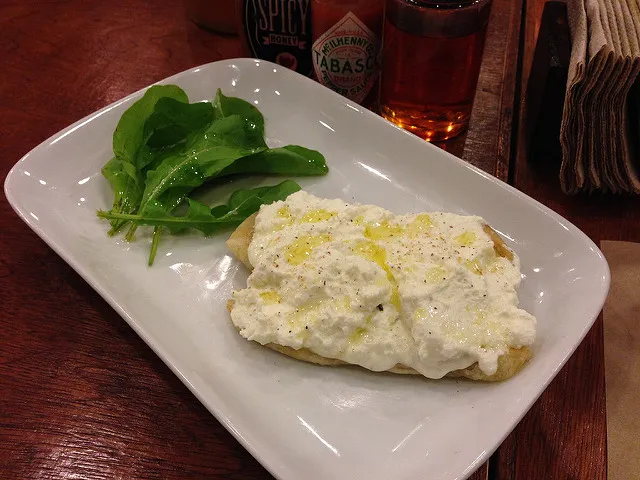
[(429, 82)]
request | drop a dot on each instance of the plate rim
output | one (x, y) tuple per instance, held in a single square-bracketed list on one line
[(279, 470)]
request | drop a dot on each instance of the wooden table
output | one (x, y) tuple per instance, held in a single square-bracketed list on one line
[(83, 396)]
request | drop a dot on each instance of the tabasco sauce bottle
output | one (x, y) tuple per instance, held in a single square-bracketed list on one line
[(278, 31), (347, 38)]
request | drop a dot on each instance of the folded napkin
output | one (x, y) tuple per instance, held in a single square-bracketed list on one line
[(622, 360), (600, 124)]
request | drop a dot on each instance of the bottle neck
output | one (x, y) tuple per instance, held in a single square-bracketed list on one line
[(439, 18), (447, 4)]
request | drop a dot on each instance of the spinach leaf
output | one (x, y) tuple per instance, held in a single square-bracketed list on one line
[(149, 158), (267, 194), (199, 216), (205, 156), (129, 134), (241, 204), (289, 160), (224, 107), (164, 148), (125, 177), (127, 192), (172, 120)]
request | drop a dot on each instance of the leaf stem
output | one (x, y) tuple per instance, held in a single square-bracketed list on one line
[(132, 229), (151, 220), (154, 245), (116, 227)]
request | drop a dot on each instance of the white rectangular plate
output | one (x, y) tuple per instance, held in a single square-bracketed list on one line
[(300, 420)]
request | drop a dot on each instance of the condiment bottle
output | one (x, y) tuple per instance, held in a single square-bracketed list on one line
[(346, 47), (278, 31)]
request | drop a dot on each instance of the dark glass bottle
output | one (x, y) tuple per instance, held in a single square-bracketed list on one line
[(278, 31)]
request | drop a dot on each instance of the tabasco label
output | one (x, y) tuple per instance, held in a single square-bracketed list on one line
[(279, 31), (345, 58)]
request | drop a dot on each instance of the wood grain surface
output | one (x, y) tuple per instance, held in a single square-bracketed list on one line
[(82, 395), (487, 143), (564, 435)]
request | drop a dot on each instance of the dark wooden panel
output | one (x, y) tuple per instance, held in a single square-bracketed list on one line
[(564, 434), (487, 143)]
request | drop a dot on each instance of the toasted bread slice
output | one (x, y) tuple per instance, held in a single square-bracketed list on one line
[(508, 364)]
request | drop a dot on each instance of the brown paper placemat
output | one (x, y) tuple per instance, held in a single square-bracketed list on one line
[(622, 360)]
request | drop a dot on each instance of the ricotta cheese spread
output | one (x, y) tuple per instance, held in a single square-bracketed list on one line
[(358, 283)]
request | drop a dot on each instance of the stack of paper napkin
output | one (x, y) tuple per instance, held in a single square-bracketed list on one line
[(600, 126)]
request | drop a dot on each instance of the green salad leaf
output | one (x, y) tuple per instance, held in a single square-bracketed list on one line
[(127, 192), (289, 160), (205, 156), (122, 172), (241, 204), (165, 147), (224, 107), (172, 121), (129, 134)]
